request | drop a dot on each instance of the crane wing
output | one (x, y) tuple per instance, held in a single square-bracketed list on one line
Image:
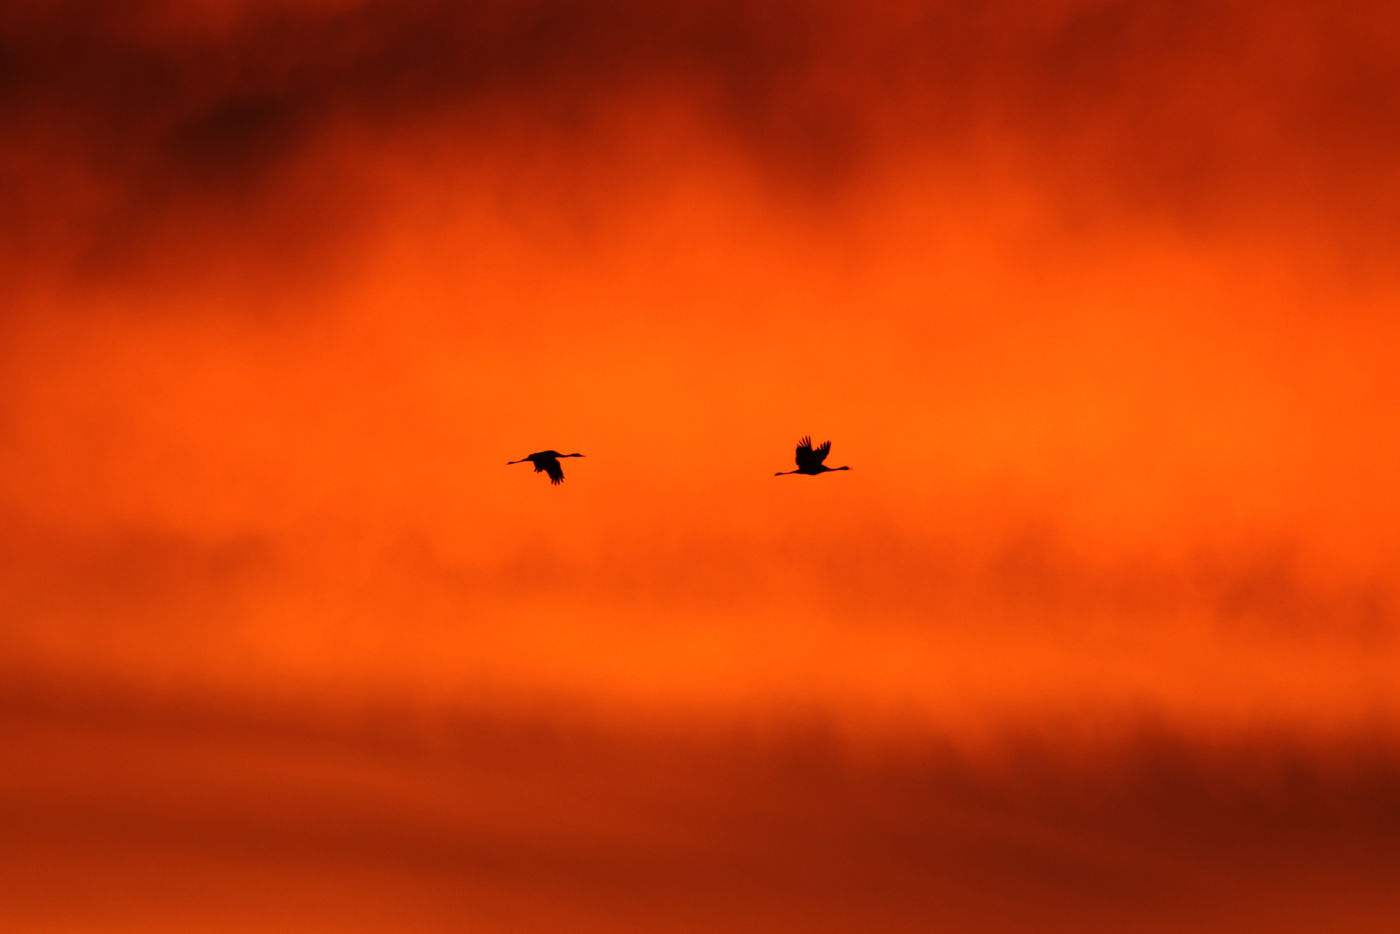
[(551, 467), (809, 458), (805, 457)]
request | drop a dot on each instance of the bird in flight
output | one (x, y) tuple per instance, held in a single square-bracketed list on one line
[(809, 459), (547, 461)]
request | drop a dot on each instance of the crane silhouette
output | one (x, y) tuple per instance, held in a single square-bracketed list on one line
[(809, 459), (547, 461)]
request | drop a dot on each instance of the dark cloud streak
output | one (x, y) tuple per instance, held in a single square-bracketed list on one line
[(550, 823), (1159, 102)]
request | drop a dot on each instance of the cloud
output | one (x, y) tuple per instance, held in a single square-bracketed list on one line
[(301, 276), (1201, 114), (165, 811), (1087, 292)]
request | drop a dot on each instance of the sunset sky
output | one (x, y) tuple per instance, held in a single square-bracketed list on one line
[(1096, 298)]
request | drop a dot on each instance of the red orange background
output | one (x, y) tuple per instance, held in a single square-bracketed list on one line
[(1095, 298)]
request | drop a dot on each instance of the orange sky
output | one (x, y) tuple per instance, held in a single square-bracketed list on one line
[(1094, 298)]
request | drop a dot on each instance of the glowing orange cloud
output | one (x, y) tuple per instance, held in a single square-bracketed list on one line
[(1091, 296)]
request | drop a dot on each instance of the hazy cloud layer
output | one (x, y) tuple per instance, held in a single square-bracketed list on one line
[(1099, 631), (406, 823), (1087, 293), (257, 128)]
